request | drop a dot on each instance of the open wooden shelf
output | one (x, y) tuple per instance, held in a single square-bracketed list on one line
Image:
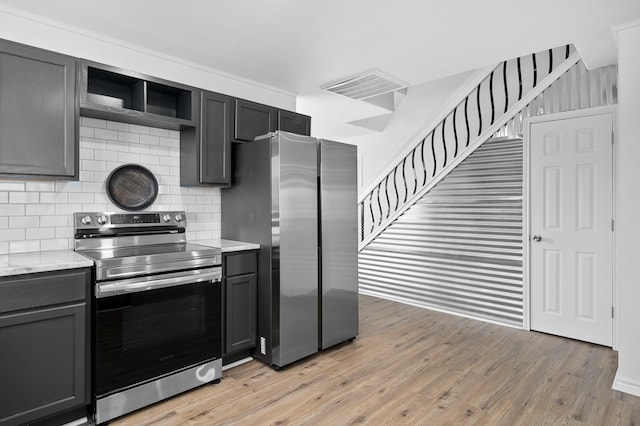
[(113, 94)]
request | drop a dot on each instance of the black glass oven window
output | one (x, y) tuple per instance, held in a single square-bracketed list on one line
[(142, 336), (159, 322)]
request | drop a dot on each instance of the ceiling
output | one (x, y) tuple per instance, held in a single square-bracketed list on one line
[(301, 45)]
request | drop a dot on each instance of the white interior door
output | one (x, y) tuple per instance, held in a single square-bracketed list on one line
[(571, 234)]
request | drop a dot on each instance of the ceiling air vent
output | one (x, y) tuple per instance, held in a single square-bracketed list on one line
[(367, 85)]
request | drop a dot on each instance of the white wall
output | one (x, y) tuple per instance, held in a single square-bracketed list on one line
[(628, 209), (418, 108), (37, 215), (52, 35)]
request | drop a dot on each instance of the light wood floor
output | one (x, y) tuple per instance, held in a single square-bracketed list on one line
[(417, 367)]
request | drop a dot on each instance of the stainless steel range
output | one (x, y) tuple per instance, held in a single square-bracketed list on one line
[(157, 321)]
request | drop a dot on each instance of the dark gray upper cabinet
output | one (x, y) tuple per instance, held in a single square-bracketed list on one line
[(45, 341), (205, 152), (114, 94), (38, 114), (253, 119), (293, 122)]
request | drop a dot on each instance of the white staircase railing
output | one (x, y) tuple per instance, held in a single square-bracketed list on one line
[(502, 94)]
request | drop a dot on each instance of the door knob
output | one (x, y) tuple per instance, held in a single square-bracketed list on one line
[(537, 238)]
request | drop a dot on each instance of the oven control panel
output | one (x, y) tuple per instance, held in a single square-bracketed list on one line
[(105, 220)]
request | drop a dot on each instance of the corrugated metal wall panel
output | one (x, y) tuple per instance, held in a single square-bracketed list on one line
[(460, 247)]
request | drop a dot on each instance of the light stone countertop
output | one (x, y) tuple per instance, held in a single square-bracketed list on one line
[(228, 246), (41, 261)]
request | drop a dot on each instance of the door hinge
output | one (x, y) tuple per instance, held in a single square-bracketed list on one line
[(613, 225), (612, 312)]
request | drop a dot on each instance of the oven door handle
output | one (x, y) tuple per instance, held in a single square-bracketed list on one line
[(113, 288)]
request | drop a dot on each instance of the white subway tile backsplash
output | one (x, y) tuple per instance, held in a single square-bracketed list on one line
[(129, 137), (101, 176), (24, 246), (127, 157), (92, 187), (170, 180), (24, 222), (91, 143), (69, 186), (8, 185), (149, 160), (105, 134), (139, 149), (39, 209), (170, 161), (99, 198), (86, 154), (54, 197), (81, 198), (12, 234), (94, 165), (55, 244), (118, 146), (170, 143), (41, 186), (93, 122), (149, 140), (24, 197), (161, 170), (98, 207), (63, 232), (116, 125), (40, 233), (86, 176), (67, 208), (14, 209), (86, 132), (54, 221), (106, 155), (37, 215), (134, 128), (162, 151), (159, 132)]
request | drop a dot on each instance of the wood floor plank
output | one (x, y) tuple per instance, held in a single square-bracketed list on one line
[(416, 367)]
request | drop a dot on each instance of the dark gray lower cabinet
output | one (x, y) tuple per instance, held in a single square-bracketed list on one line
[(44, 341), (241, 291)]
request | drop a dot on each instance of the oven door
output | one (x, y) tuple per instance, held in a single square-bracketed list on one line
[(144, 335)]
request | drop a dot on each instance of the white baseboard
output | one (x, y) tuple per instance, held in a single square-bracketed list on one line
[(625, 385)]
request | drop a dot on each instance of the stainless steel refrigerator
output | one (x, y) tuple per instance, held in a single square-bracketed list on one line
[(297, 197)]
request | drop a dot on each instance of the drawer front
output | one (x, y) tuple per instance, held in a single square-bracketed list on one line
[(42, 289), (240, 264)]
